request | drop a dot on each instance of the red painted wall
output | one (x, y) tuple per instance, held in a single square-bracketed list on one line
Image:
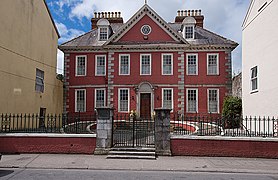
[(225, 148), (54, 145), (157, 34)]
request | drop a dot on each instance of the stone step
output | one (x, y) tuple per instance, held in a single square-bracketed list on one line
[(132, 153)]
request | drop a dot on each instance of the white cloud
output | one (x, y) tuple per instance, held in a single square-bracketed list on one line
[(67, 34)]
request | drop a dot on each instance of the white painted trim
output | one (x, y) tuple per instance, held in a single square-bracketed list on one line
[(141, 64), (148, 27), (172, 63), (96, 56), (217, 64), (76, 62), (128, 108), (218, 111), (95, 99), (172, 94), (197, 64), (120, 55), (75, 100), (197, 100)]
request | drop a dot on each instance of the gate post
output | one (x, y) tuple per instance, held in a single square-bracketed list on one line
[(162, 132), (104, 130)]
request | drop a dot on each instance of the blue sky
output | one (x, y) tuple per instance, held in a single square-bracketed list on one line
[(224, 17)]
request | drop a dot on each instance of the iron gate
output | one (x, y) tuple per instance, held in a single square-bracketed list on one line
[(129, 131)]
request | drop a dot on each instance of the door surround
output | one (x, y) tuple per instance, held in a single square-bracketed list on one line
[(144, 88)]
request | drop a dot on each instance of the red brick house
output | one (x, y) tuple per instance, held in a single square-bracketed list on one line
[(147, 63)]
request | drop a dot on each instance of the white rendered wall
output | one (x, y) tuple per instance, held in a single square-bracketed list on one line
[(260, 48)]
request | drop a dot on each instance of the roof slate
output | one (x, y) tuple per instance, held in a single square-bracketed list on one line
[(202, 37)]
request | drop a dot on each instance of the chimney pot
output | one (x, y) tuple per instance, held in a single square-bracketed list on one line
[(188, 12), (185, 13), (119, 14), (116, 15), (196, 13), (98, 15), (95, 14), (179, 13), (108, 14), (105, 14), (112, 14), (102, 14), (200, 12)]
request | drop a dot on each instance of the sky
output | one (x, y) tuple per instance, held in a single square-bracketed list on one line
[(224, 17)]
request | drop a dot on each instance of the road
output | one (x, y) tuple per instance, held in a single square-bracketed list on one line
[(68, 174)]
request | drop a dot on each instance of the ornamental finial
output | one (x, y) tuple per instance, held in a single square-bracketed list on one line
[(146, 2)]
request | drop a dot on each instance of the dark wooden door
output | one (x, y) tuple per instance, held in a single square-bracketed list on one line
[(145, 105)]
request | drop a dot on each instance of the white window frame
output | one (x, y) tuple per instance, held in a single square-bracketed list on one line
[(106, 33), (100, 89), (187, 64), (141, 64), (76, 65), (96, 59), (75, 100), (193, 32), (162, 65), (119, 100), (213, 54), (120, 64), (197, 100), (172, 94), (255, 78), (218, 111)]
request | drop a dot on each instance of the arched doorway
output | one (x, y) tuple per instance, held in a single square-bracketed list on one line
[(145, 99)]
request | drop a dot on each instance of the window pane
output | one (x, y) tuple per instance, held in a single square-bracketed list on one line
[(123, 100), (192, 64), (213, 101), (192, 100), (167, 64), (146, 65), (103, 34), (167, 98), (80, 100), (189, 32), (100, 99), (81, 65), (124, 69), (100, 65), (212, 65), (39, 85)]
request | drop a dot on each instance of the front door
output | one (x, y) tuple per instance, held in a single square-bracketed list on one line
[(145, 105)]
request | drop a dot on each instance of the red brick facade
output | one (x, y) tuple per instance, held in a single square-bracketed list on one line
[(164, 39)]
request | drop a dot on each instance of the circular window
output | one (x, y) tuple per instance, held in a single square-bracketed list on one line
[(146, 29)]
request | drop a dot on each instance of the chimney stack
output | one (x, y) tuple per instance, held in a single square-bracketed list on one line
[(197, 14), (112, 17)]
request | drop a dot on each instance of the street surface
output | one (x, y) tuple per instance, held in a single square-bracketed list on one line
[(48, 174)]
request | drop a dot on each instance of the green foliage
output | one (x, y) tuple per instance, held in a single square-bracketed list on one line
[(232, 109)]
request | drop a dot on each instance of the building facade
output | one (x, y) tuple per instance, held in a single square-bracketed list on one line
[(147, 63), (28, 58), (259, 63)]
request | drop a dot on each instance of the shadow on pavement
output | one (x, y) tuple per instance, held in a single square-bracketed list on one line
[(4, 173)]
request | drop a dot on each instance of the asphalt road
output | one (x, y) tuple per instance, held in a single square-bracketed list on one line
[(68, 174)]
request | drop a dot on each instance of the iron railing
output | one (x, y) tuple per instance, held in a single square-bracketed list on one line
[(234, 127), (33, 123)]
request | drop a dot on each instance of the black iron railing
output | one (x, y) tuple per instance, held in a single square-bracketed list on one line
[(235, 126), (33, 123)]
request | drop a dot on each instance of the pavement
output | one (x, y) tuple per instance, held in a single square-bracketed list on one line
[(162, 163)]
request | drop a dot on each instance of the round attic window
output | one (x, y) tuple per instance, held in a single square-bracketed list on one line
[(146, 30)]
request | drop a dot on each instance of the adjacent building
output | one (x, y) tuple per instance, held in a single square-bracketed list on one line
[(237, 85), (28, 58), (147, 63), (259, 63)]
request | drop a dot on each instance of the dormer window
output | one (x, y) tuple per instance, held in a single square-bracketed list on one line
[(103, 29), (188, 28), (189, 32), (103, 33)]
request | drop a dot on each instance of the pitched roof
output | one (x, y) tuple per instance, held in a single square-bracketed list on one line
[(203, 37)]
